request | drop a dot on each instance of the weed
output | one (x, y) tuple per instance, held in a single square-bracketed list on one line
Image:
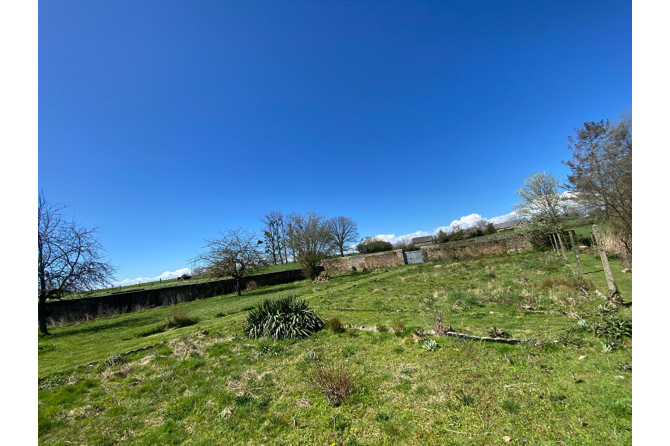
[(430, 345), (398, 327), (335, 381), (311, 356), (335, 324), (381, 328), (497, 332), (251, 285), (465, 398), (115, 360), (269, 349)]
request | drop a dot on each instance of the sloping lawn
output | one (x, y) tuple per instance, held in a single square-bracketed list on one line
[(132, 379)]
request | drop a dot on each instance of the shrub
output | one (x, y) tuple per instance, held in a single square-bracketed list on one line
[(372, 246), (335, 381), (335, 324), (284, 318)]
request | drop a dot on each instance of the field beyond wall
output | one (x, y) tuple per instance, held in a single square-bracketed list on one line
[(130, 379)]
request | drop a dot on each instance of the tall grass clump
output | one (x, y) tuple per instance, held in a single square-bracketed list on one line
[(335, 381), (284, 318)]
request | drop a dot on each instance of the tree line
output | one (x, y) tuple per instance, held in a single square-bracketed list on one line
[(72, 259)]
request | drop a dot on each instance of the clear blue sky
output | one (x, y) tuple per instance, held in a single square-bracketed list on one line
[(163, 122)]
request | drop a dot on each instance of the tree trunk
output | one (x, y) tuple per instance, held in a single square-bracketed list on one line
[(574, 250), (560, 242), (606, 264), (41, 315)]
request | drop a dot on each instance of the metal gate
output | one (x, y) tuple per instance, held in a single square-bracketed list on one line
[(413, 257)]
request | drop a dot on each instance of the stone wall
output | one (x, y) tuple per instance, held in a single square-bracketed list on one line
[(123, 302), (369, 262), (477, 248)]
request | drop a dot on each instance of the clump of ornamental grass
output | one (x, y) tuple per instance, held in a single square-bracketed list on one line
[(285, 318), (335, 381)]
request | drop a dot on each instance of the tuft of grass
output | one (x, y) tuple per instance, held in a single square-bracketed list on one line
[(510, 406), (335, 381), (180, 318), (382, 328), (335, 324)]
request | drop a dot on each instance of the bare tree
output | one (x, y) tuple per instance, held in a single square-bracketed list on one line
[(70, 257), (273, 232), (235, 254), (309, 240), (602, 176), (343, 230)]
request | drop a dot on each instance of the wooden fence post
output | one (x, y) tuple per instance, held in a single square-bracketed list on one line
[(574, 250), (606, 264), (560, 242)]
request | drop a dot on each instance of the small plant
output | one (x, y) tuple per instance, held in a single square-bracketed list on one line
[(381, 328), (335, 381), (582, 324), (497, 332), (430, 345), (398, 327), (606, 347), (606, 308), (465, 398), (269, 349), (311, 356), (251, 285), (335, 324), (115, 360), (285, 318)]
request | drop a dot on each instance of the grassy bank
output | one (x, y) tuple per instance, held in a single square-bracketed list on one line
[(137, 379)]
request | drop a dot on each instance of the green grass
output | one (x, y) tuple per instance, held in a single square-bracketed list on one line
[(207, 383)]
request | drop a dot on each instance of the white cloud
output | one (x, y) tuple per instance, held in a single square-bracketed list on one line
[(165, 276), (464, 222)]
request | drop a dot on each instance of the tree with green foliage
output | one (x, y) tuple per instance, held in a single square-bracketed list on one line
[(70, 257), (370, 246), (602, 176), (235, 254)]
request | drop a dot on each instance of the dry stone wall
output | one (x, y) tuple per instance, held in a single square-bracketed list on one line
[(509, 244), (369, 262)]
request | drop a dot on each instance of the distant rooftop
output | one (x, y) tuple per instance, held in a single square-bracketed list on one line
[(418, 240), (507, 224)]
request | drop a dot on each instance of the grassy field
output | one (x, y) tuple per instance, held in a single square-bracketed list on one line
[(133, 379)]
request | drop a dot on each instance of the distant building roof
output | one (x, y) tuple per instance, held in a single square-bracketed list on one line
[(507, 224), (418, 240)]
